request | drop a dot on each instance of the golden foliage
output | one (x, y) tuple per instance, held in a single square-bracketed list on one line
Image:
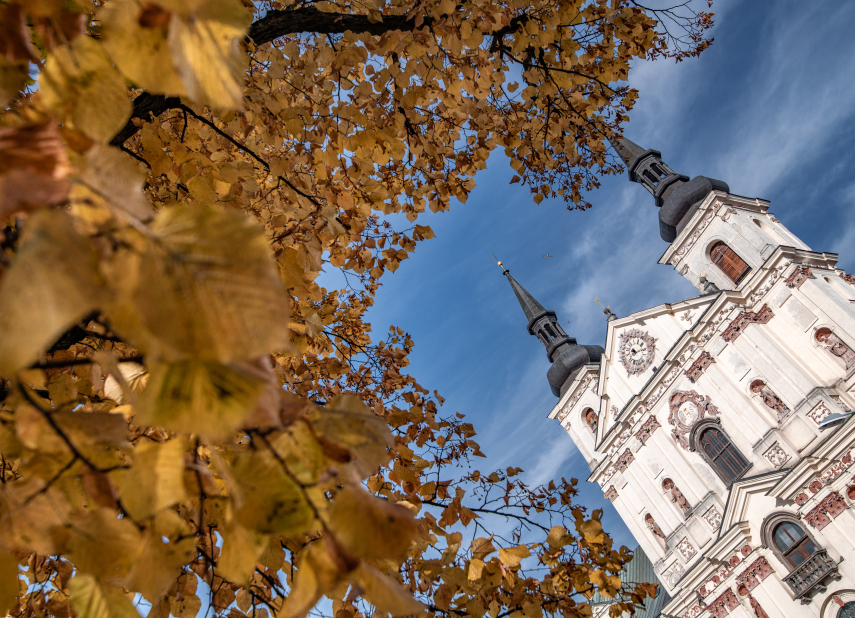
[(185, 413)]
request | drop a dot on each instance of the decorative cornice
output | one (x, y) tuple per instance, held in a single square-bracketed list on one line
[(756, 572), (724, 604), (699, 366), (741, 322), (799, 276), (831, 506), (647, 429)]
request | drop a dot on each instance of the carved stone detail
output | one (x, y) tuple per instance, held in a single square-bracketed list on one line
[(687, 408), (835, 345), (686, 549), (724, 604), (713, 517), (741, 322), (699, 366), (673, 573), (654, 527), (581, 391), (611, 494), (759, 612), (819, 412), (647, 429), (770, 399), (756, 572), (677, 495), (626, 349), (692, 239), (799, 276), (622, 462), (850, 279), (776, 455), (830, 507)]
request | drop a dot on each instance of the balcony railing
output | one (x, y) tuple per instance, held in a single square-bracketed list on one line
[(811, 574)]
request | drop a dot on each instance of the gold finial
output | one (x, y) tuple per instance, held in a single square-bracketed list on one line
[(502, 266)]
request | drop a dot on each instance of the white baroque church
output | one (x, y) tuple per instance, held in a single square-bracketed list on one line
[(720, 426)]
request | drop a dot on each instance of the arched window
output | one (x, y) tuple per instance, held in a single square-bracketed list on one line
[(590, 418), (793, 543), (725, 459), (730, 264)]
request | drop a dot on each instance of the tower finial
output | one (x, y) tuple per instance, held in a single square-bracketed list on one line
[(505, 271), (606, 310)]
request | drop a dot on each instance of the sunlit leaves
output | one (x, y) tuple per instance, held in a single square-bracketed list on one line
[(53, 283), (207, 288), (181, 48), (207, 398), (81, 84), (93, 598)]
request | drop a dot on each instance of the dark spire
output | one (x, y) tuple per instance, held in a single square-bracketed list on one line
[(566, 356), (530, 306), (628, 151), (674, 193)]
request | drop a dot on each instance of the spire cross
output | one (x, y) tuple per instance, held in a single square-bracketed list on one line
[(606, 310)]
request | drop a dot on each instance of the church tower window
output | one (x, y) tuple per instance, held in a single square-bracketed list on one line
[(722, 455), (793, 543), (591, 419), (730, 264)]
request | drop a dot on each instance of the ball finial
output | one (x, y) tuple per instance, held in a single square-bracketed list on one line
[(500, 264)]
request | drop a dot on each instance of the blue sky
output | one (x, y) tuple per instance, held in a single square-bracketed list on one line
[(768, 109)]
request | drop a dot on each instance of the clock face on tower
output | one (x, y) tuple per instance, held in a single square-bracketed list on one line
[(637, 349)]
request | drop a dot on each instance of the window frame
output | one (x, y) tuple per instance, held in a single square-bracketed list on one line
[(713, 424), (767, 535), (734, 256)]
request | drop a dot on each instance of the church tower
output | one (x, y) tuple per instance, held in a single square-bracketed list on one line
[(720, 426)]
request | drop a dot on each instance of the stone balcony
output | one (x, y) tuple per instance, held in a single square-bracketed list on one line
[(810, 575)]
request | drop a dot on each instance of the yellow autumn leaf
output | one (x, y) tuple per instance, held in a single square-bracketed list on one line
[(591, 530), (207, 289), (514, 555), (93, 598), (79, 81), (347, 421), (155, 481), (98, 542), (386, 594), (8, 581), (206, 398), (270, 501), (242, 548), (370, 527), (158, 565), (52, 283)]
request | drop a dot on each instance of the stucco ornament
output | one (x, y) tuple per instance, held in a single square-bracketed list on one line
[(687, 408), (637, 349)]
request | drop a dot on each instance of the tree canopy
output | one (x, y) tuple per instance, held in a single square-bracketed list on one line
[(187, 418)]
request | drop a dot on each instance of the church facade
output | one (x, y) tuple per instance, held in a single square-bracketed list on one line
[(719, 426)]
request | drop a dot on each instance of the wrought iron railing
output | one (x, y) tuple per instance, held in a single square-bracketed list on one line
[(810, 574)]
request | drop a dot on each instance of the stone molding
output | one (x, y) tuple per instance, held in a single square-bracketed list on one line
[(699, 366), (799, 276), (829, 475), (830, 507), (724, 604), (744, 319), (755, 573), (647, 429), (611, 494), (622, 462)]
